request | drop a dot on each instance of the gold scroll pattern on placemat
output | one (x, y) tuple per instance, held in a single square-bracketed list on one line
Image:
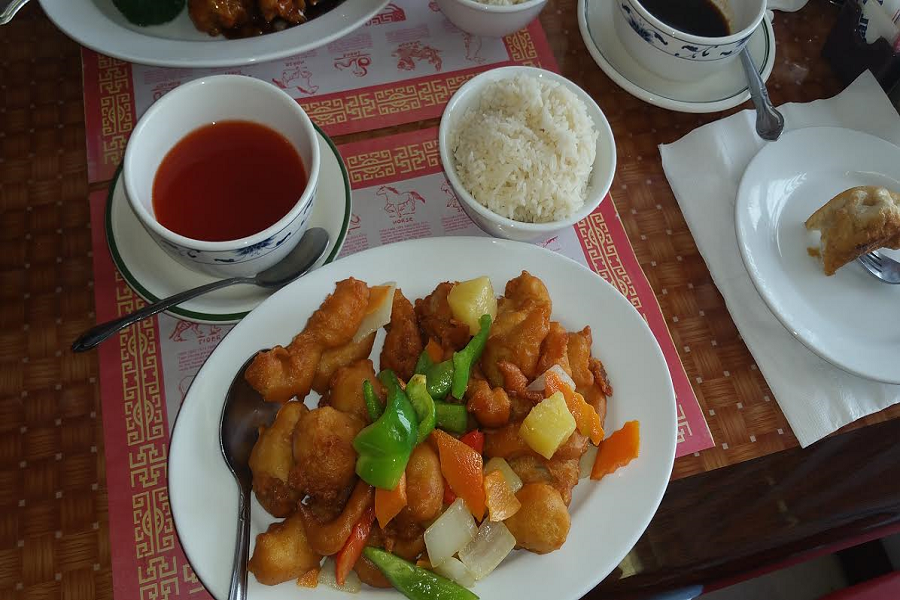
[(159, 573), (116, 107), (391, 162), (603, 256)]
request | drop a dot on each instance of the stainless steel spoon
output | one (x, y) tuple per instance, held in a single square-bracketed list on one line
[(10, 9), (769, 122), (292, 266), (243, 414)]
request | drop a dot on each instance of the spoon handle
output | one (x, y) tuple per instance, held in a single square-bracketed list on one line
[(238, 589), (100, 332), (769, 122)]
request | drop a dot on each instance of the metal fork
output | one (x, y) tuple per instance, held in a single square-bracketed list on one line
[(9, 8), (881, 267)]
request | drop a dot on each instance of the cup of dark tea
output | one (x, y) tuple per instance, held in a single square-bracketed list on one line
[(686, 40), (222, 173)]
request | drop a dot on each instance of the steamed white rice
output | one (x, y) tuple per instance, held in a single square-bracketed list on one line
[(526, 150)]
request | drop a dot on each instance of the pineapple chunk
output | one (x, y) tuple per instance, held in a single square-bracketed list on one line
[(469, 300), (548, 425)]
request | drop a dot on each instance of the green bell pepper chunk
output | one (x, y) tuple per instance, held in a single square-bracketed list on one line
[(451, 417), (468, 356), (415, 582), (385, 445), (373, 404), (422, 401), (438, 376)]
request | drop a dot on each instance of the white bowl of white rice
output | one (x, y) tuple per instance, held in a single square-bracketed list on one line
[(527, 152), (491, 18)]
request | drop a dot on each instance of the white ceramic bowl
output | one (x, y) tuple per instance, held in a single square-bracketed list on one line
[(601, 176), (681, 56), (199, 103), (490, 20)]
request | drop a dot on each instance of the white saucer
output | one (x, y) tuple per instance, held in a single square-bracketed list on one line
[(718, 92), (153, 275), (849, 319)]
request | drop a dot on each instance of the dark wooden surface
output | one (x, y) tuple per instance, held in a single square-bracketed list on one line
[(752, 500)]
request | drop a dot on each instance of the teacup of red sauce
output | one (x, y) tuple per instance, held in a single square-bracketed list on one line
[(222, 173)]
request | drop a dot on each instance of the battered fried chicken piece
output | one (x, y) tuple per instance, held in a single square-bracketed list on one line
[(554, 349), (424, 486), (490, 407), (436, 319), (542, 524), (579, 352), (282, 553), (523, 321), (271, 461), (507, 443), (342, 356), (516, 384), (281, 373), (324, 458), (291, 11), (215, 16), (346, 390), (560, 473), (402, 344)]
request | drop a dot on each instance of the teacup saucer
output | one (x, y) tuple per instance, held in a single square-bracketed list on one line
[(718, 92), (153, 275)]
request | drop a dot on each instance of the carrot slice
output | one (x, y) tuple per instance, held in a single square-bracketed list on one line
[(586, 418), (310, 579), (462, 466), (388, 503), (434, 350), (617, 450), (499, 498)]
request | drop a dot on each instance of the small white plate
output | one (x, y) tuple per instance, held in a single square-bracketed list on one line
[(712, 94), (153, 275), (608, 516), (99, 25), (849, 319)]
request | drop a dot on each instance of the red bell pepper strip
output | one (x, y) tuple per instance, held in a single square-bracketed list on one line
[(474, 440), (348, 555)]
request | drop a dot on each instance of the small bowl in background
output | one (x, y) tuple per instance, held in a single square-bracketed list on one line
[(602, 173), (194, 105), (490, 20)]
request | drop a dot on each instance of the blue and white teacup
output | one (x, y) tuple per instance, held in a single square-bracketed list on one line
[(681, 56), (194, 105)]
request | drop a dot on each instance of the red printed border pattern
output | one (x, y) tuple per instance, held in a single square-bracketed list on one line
[(110, 112)]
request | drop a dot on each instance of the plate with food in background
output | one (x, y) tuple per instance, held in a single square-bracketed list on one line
[(807, 206), (514, 363), (207, 33)]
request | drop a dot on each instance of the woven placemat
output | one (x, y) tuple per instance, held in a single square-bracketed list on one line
[(742, 413)]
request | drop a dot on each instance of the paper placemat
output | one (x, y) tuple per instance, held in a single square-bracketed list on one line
[(400, 67), (399, 192)]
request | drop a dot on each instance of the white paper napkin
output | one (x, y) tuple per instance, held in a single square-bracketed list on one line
[(704, 169)]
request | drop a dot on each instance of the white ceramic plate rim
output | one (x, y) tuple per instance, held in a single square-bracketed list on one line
[(836, 354), (615, 510), (662, 101), (84, 22), (224, 314), (602, 172)]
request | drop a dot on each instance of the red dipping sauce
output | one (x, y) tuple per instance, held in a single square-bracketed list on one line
[(227, 181)]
